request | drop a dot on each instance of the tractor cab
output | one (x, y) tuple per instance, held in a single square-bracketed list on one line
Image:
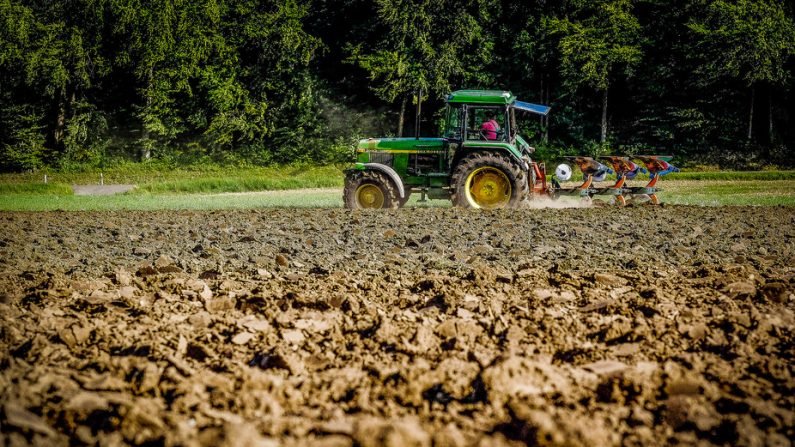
[(469, 113), (479, 115), (480, 161), (486, 119)]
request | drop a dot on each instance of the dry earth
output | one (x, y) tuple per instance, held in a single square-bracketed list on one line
[(638, 326)]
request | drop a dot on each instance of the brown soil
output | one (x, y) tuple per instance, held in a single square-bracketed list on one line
[(445, 327)]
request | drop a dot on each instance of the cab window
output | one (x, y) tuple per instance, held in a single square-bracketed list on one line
[(452, 129), (487, 124)]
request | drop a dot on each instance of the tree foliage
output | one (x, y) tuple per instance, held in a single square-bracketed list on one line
[(746, 39), (601, 40), (426, 45), (86, 82)]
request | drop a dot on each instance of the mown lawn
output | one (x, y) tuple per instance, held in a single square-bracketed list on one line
[(728, 192), (321, 187), (193, 180)]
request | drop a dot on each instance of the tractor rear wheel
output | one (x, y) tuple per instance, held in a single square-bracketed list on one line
[(488, 180), (369, 189)]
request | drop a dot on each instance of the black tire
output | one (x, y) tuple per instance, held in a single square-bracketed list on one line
[(478, 162), (362, 191)]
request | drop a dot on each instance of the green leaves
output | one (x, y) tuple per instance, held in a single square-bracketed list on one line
[(599, 40), (266, 81), (218, 60), (745, 39), (435, 45), (23, 141)]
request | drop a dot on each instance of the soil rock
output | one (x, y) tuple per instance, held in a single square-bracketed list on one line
[(492, 328), (371, 432)]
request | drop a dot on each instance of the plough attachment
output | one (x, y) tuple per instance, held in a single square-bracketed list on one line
[(624, 168), (591, 170), (658, 166)]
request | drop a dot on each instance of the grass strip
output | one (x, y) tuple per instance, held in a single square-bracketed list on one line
[(324, 198), (732, 175), (184, 179), (201, 194), (57, 189), (762, 176), (702, 193), (214, 178), (726, 193), (246, 183)]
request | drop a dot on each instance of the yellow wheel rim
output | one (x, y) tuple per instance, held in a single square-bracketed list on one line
[(488, 188), (369, 196)]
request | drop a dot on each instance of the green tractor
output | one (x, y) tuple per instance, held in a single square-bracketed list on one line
[(480, 162)]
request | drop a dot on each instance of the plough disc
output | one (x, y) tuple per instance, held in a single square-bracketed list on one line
[(594, 170)]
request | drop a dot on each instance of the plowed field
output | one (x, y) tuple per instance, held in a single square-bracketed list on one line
[(640, 326)]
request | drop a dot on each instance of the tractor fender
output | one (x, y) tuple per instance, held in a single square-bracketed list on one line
[(520, 161), (389, 172)]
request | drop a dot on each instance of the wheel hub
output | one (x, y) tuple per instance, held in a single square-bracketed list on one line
[(488, 187), (369, 196)]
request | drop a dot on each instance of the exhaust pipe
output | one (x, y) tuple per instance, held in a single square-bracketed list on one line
[(417, 119)]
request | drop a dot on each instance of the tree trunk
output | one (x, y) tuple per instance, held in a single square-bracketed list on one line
[(770, 115), (146, 150), (66, 106), (545, 122), (604, 117), (418, 119), (402, 117), (751, 114), (60, 121), (541, 99)]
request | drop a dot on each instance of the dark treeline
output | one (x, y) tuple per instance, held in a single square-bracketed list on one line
[(84, 83)]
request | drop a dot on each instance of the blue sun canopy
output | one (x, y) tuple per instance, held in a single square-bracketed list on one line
[(532, 108)]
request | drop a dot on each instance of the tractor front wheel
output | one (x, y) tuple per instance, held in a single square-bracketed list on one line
[(488, 180), (369, 189)]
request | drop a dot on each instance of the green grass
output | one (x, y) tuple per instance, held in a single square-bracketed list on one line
[(271, 180), (176, 189), (724, 193), (305, 198), (57, 189), (195, 179), (322, 198), (194, 190), (732, 175), (717, 175)]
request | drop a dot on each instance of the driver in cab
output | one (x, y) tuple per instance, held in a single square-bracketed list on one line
[(490, 127)]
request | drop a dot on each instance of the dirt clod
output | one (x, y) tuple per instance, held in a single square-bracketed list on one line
[(427, 327)]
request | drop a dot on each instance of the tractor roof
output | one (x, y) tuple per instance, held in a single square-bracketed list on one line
[(494, 97), (481, 97)]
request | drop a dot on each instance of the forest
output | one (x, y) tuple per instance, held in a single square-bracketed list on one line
[(86, 84)]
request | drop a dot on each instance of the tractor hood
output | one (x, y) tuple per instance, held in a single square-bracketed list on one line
[(532, 108), (399, 144)]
